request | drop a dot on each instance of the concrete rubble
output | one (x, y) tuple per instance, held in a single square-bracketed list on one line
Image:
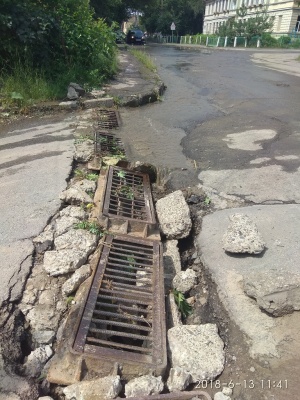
[(102, 388), (178, 379), (242, 236), (144, 386), (184, 281), (278, 292), (43, 241), (197, 349), (173, 315), (64, 258), (73, 283), (174, 215), (75, 195), (36, 360), (172, 262)]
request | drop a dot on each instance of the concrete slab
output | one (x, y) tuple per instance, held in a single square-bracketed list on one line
[(279, 226)]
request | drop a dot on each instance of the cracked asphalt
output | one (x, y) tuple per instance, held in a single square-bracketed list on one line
[(36, 158)]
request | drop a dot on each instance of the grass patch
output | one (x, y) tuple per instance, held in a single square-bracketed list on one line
[(24, 86), (91, 226), (298, 58), (144, 58)]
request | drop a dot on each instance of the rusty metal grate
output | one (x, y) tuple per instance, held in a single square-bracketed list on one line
[(128, 195), (125, 306), (108, 119), (106, 143)]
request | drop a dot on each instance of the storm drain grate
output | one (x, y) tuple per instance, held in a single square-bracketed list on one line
[(125, 306), (108, 119), (128, 195), (106, 143)]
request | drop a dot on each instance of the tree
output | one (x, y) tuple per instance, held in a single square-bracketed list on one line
[(247, 27), (186, 14)]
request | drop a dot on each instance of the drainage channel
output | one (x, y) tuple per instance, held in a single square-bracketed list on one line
[(123, 318), (108, 119), (128, 195)]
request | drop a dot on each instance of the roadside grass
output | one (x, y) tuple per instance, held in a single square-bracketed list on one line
[(23, 86), (144, 58)]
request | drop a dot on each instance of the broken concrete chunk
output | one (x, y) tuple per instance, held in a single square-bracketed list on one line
[(41, 337), (36, 360), (242, 236), (44, 241), (172, 262), (75, 195), (184, 281), (227, 391), (276, 292), (86, 185), (84, 151), (144, 386), (79, 276), (63, 261), (72, 94), (77, 88), (45, 398), (197, 349), (221, 396), (63, 224), (174, 216), (77, 239), (102, 388), (43, 317), (73, 212), (178, 379), (173, 314)]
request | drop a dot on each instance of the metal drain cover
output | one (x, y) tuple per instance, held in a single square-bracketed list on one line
[(123, 319), (108, 144), (108, 119), (128, 195)]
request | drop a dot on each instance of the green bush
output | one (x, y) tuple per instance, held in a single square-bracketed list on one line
[(295, 44), (268, 41), (46, 45), (284, 41)]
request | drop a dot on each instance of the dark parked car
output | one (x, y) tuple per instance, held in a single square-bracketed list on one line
[(135, 36)]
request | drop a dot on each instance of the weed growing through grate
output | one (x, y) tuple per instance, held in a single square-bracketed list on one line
[(183, 306), (125, 191), (92, 226)]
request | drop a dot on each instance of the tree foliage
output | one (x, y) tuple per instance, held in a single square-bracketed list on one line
[(242, 25), (56, 36), (186, 14)]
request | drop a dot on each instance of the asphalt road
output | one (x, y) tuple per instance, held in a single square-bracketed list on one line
[(35, 161), (235, 116), (238, 119)]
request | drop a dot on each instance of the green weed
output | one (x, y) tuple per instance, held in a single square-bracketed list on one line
[(183, 306), (92, 226)]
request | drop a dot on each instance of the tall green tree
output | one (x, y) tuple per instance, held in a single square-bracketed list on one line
[(247, 26), (186, 14)]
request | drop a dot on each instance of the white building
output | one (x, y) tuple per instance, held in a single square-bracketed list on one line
[(286, 13)]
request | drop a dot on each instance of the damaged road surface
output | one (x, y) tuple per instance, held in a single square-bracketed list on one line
[(225, 149), (35, 163)]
